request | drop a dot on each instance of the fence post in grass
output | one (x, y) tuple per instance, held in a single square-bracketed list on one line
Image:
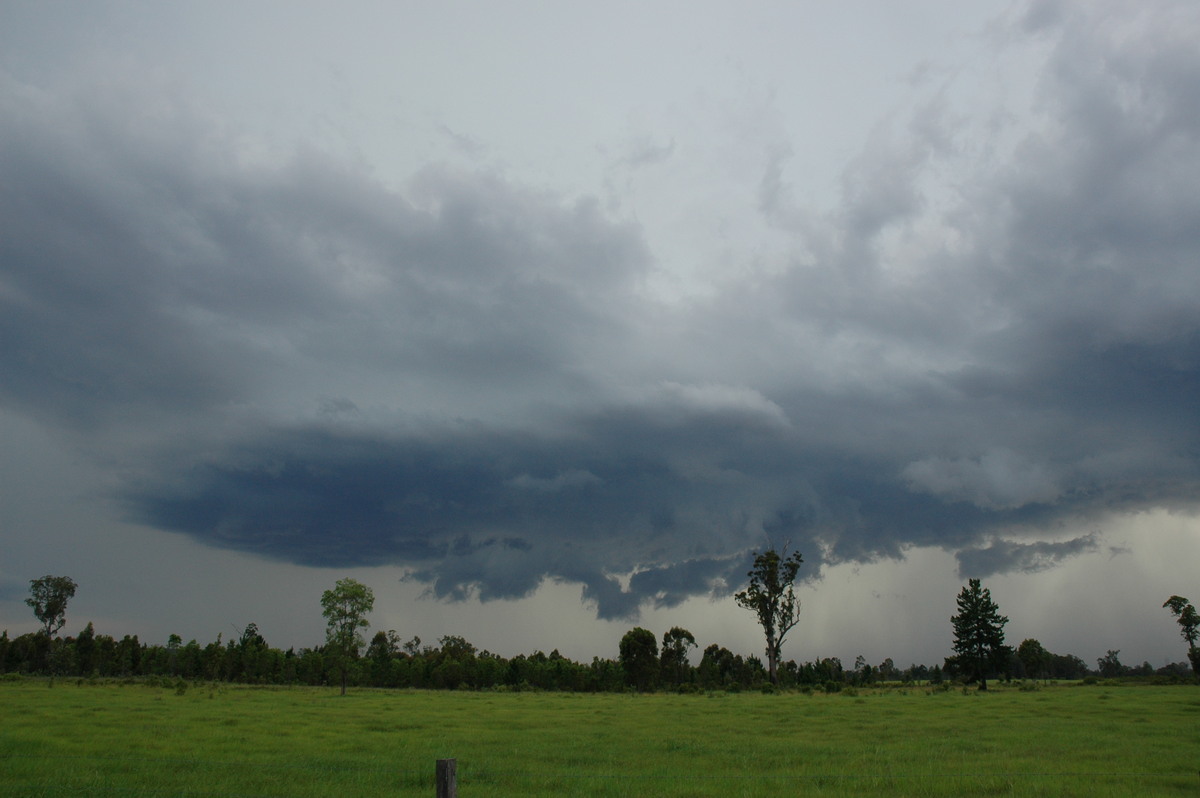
[(447, 778)]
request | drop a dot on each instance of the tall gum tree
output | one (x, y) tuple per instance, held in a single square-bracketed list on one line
[(674, 656), (48, 597), (1189, 627), (771, 598), (345, 609)]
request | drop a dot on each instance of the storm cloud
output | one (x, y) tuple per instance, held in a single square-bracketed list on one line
[(472, 379)]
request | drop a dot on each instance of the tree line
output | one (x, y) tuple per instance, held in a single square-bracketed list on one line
[(643, 663)]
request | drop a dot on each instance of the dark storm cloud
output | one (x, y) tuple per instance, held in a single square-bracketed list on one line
[(84, 322), (664, 486), (144, 269), (670, 585), (1004, 556), (464, 377), (667, 497), (12, 590)]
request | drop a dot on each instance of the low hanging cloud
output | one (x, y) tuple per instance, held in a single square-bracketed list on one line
[(466, 378), (1002, 556), (1000, 479)]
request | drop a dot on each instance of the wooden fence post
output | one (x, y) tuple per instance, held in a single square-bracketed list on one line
[(447, 778)]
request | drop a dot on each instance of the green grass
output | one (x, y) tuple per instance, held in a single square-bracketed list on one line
[(135, 740)]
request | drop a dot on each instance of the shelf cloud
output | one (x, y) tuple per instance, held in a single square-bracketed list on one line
[(987, 326)]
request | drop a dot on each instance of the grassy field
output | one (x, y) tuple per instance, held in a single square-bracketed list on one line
[(136, 740)]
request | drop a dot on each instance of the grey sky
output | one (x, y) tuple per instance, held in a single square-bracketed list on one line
[(496, 302)]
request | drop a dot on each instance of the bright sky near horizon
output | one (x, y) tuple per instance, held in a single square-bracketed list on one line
[(540, 317)]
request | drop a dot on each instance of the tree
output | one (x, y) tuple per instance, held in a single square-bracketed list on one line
[(384, 646), (48, 597), (1034, 657), (978, 633), (344, 608), (381, 654), (1185, 614), (1189, 627), (174, 641), (457, 648), (85, 650), (639, 658), (770, 596), (674, 657), (251, 656), (1110, 664)]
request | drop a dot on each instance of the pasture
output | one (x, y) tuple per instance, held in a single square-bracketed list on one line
[(131, 739)]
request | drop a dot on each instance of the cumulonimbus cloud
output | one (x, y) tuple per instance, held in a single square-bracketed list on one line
[(465, 377)]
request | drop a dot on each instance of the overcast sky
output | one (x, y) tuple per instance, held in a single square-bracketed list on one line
[(539, 318)]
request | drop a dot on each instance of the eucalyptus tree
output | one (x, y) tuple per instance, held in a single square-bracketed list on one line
[(674, 656), (771, 597), (1189, 627), (639, 658), (345, 608), (48, 597)]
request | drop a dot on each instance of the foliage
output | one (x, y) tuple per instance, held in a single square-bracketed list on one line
[(639, 658), (721, 669), (1110, 666), (345, 608), (770, 596), (1186, 615), (456, 664), (674, 656), (48, 598), (1189, 627), (978, 634), (1034, 658)]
